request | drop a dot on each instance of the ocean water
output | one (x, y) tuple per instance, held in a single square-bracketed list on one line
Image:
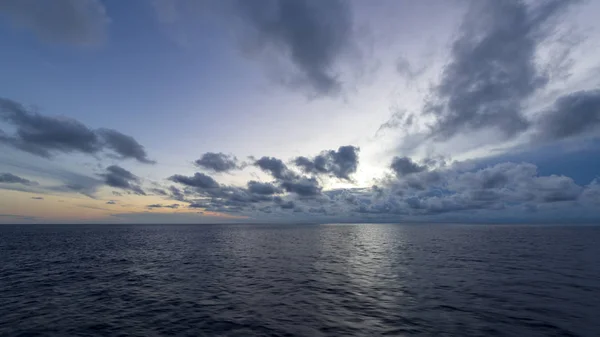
[(299, 280)]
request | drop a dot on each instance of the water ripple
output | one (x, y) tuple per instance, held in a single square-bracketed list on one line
[(328, 280)]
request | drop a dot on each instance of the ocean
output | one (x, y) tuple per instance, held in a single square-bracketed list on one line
[(299, 280)]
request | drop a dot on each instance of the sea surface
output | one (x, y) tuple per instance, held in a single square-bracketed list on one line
[(299, 280)]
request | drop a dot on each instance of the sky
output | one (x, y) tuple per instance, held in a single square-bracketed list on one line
[(299, 111)]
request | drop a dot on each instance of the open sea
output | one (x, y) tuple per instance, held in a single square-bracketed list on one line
[(299, 280)]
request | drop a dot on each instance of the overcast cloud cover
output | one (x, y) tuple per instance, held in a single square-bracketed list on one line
[(300, 111)]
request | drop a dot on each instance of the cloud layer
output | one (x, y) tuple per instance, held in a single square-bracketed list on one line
[(77, 22), (46, 136), (9, 178)]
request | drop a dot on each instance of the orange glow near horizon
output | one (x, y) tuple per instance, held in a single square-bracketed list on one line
[(73, 208)]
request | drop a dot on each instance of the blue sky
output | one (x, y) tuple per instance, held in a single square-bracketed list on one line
[(299, 111)]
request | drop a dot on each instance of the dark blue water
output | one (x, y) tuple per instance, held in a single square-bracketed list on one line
[(300, 280)]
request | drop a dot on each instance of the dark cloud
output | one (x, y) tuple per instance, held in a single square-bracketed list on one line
[(159, 191), (125, 146), (111, 202), (456, 191), (117, 194), (305, 187), (275, 167), (263, 188), (571, 115), (40, 134), (77, 22), (218, 162), (284, 204), (172, 206), (119, 177), (493, 67), (176, 193), (404, 166), (45, 136), (313, 34), (37, 198), (198, 180), (452, 191), (341, 163), (9, 178), (287, 179)]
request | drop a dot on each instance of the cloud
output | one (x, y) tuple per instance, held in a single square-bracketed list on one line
[(69, 181), (172, 206), (341, 163), (45, 136), (263, 188), (407, 70), (124, 145), (17, 217), (198, 180), (493, 68), (306, 187), (40, 135), (284, 204), (9, 178), (275, 167), (313, 35), (176, 193), (571, 115), (287, 179), (159, 191), (218, 162), (37, 198), (77, 22), (111, 202), (404, 166), (119, 177)]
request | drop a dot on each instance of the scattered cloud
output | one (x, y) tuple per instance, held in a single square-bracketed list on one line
[(492, 78), (76, 22)]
